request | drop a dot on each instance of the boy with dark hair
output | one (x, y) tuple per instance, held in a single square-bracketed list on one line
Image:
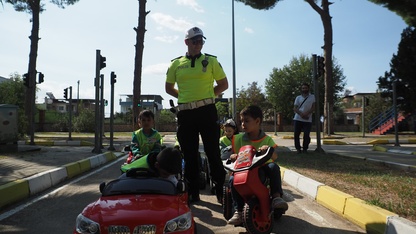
[(251, 118), (146, 139)]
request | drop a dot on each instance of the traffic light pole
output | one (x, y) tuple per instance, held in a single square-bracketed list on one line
[(102, 110), (97, 146), (317, 114), (70, 114), (112, 81)]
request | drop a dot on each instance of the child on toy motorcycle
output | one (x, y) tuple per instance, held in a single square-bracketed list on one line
[(230, 129), (251, 118)]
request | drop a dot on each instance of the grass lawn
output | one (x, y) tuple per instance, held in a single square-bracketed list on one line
[(390, 189)]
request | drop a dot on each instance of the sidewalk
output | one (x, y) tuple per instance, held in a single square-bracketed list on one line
[(36, 168)]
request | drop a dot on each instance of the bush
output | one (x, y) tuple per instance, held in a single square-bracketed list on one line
[(85, 121)]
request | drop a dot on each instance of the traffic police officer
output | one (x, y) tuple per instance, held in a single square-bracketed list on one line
[(194, 74)]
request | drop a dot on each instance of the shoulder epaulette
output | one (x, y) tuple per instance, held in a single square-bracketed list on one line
[(210, 55), (176, 58)]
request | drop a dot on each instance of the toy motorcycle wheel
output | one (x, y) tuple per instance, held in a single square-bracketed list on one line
[(227, 202), (251, 219)]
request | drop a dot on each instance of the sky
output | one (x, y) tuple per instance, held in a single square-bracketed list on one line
[(365, 36)]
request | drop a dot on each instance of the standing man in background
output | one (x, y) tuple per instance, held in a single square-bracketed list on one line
[(195, 73), (303, 108)]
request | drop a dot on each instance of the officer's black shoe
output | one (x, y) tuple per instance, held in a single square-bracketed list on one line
[(194, 198)]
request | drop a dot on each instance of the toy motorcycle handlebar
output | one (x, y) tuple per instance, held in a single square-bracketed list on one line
[(257, 159)]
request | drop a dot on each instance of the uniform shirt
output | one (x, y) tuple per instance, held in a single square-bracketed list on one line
[(242, 139), (224, 142), (193, 82), (146, 143), (306, 106)]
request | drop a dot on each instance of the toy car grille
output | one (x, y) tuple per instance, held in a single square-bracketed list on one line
[(118, 230), (145, 229)]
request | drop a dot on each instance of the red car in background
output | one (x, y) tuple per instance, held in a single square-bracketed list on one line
[(138, 202)]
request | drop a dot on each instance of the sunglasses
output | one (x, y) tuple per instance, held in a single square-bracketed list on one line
[(198, 42)]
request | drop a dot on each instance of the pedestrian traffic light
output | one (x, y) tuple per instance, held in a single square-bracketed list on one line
[(321, 66), (66, 93), (113, 78), (40, 77), (26, 79), (102, 62), (105, 102)]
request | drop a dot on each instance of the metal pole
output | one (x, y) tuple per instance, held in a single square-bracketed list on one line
[(97, 146), (111, 147), (78, 98), (317, 114), (234, 79), (102, 111), (396, 128), (363, 116), (70, 114), (275, 121)]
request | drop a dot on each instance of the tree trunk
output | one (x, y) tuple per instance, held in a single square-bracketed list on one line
[(30, 98), (329, 82), (138, 60)]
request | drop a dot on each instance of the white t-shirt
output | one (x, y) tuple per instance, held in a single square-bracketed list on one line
[(306, 106)]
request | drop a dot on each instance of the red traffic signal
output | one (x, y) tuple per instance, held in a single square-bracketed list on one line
[(66, 93)]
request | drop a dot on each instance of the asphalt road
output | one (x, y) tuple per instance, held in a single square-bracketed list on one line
[(55, 211)]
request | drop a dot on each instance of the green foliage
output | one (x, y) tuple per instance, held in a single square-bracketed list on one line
[(85, 121), (253, 95), (404, 8), (377, 104), (283, 85), (13, 93), (166, 117), (223, 110), (402, 70), (260, 4), (26, 6)]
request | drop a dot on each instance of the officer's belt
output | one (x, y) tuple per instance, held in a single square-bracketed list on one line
[(195, 104)]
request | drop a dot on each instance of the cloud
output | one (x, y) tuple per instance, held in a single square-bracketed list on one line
[(156, 69), (192, 4), (167, 39), (167, 21), (248, 30)]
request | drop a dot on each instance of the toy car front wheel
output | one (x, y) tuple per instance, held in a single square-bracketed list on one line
[(251, 219)]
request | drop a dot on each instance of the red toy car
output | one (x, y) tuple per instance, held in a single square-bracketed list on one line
[(138, 202)]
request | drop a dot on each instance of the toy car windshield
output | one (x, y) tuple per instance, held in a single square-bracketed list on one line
[(139, 186)]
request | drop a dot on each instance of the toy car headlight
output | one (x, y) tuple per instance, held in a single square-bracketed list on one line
[(179, 223), (85, 225)]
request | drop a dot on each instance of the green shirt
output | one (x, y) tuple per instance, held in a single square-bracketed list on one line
[(242, 139), (193, 80), (146, 143)]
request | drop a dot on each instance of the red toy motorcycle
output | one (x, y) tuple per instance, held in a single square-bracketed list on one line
[(257, 213)]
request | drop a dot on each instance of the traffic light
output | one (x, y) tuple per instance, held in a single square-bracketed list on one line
[(321, 66), (102, 62), (105, 102), (40, 77), (113, 78), (66, 93), (26, 79)]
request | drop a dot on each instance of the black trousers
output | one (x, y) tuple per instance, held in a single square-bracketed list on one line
[(192, 123)]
